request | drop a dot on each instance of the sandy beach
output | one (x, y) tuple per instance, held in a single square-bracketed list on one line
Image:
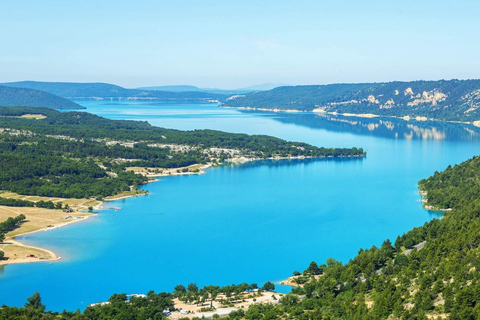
[(19, 253), (36, 220)]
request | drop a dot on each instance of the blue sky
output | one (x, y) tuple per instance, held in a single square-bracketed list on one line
[(229, 44)]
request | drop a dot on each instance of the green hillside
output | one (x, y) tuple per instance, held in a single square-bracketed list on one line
[(455, 100), (34, 98)]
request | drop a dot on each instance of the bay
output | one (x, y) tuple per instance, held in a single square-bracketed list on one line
[(254, 222)]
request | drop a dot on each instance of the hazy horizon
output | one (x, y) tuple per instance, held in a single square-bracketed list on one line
[(237, 88), (217, 44)]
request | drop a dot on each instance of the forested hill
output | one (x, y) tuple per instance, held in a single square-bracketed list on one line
[(455, 100), (34, 98), (73, 90), (78, 155)]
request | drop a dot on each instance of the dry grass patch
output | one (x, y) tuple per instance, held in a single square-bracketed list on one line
[(19, 253), (36, 218), (33, 116)]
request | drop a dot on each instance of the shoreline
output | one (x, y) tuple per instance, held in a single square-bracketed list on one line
[(245, 159), (290, 281), (426, 206), (157, 175), (52, 256), (173, 171), (475, 123)]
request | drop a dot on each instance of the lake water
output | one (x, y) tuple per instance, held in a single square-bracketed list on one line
[(250, 223)]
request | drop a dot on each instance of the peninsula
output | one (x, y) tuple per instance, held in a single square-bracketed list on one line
[(57, 166)]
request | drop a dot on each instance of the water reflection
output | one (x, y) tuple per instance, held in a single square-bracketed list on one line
[(436, 213), (285, 162), (383, 127)]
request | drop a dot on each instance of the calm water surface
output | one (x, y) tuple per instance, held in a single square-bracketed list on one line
[(246, 223)]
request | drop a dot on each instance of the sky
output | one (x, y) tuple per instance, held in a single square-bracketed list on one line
[(232, 44)]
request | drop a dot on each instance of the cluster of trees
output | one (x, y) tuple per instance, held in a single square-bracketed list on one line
[(9, 225), (353, 98), (9, 202), (16, 202), (119, 307), (32, 169), (192, 294)]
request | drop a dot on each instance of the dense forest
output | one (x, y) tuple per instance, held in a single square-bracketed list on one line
[(431, 271), (77, 154), (33, 98), (456, 186), (456, 100)]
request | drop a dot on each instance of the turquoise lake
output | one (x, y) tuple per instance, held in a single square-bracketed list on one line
[(254, 222)]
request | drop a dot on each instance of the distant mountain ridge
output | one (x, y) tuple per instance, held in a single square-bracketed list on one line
[(173, 88), (72, 90), (33, 98), (454, 100), (190, 88)]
